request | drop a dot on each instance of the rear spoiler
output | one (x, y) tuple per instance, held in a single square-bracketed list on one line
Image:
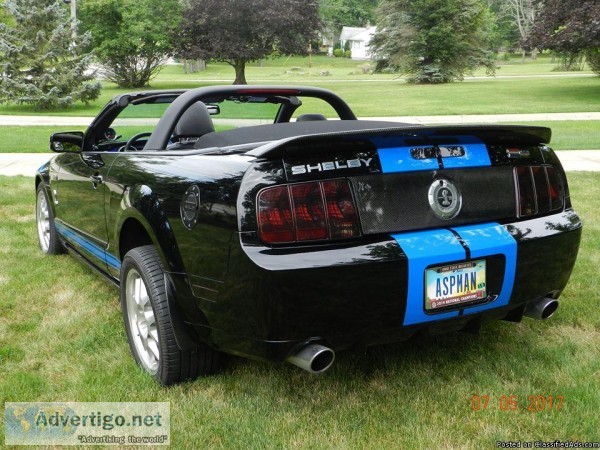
[(490, 134)]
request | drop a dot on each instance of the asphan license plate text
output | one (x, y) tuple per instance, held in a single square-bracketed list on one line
[(454, 284)]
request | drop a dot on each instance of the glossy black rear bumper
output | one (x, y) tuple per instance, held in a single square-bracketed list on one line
[(276, 300)]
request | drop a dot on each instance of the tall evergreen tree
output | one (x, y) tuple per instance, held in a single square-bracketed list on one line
[(433, 41), (41, 63)]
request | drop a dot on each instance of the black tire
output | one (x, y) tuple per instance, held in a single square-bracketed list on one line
[(48, 239), (171, 364)]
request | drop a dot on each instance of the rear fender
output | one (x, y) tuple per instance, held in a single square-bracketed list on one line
[(43, 177), (141, 204)]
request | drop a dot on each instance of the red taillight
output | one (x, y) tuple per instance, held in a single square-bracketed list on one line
[(275, 215), (542, 189), (526, 192), (307, 212), (539, 190), (341, 213), (557, 190)]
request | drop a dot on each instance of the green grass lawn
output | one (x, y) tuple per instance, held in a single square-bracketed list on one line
[(566, 135), (62, 339), (386, 94), (343, 68), (396, 98), (488, 96)]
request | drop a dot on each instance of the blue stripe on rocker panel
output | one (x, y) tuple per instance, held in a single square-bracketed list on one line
[(423, 249), (489, 239), (88, 246)]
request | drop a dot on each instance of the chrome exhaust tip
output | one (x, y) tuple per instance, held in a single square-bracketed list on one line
[(313, 358), (542, 308)]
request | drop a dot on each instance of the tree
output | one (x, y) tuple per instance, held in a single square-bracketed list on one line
[(523, 14), (132, 38), (503, 30), (433, 41), (352, 13), (240, 31), (40, 63), (4, 16), (568, 27), (514, 19)]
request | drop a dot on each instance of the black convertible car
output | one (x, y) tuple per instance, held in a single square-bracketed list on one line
[(269, 222)]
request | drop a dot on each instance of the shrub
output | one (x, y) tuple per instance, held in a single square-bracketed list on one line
[(348, 54), (365, 68), (338, 52), (569, 62), (592, 56)]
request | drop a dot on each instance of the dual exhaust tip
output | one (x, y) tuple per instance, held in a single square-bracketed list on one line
[(541, 309), (315, 358)]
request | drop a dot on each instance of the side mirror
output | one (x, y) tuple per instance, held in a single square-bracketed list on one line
[(71, 141)]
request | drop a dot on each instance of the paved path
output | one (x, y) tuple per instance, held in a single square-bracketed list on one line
[(63, 121), (26, 164), (12, 164)]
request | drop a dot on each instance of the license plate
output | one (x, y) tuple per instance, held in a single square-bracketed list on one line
[(455, 284)]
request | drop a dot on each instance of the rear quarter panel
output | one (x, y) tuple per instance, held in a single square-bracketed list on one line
[(150, 187)]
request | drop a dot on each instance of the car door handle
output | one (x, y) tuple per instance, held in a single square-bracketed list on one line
[(96, 180)]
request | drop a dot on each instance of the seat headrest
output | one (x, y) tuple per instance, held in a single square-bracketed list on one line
[(194, 122), (310, 117)]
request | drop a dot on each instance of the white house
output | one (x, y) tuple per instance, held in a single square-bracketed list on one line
[(358, 39)]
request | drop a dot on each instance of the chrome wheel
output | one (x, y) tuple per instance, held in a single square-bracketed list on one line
[(43, 221), (142, 321), (150, 328)]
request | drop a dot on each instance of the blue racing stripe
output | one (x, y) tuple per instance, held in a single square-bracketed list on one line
[(399, 159), (476, 154), (486, 240), (89, 247), (395, 154), (434, 247), (424, 249)]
